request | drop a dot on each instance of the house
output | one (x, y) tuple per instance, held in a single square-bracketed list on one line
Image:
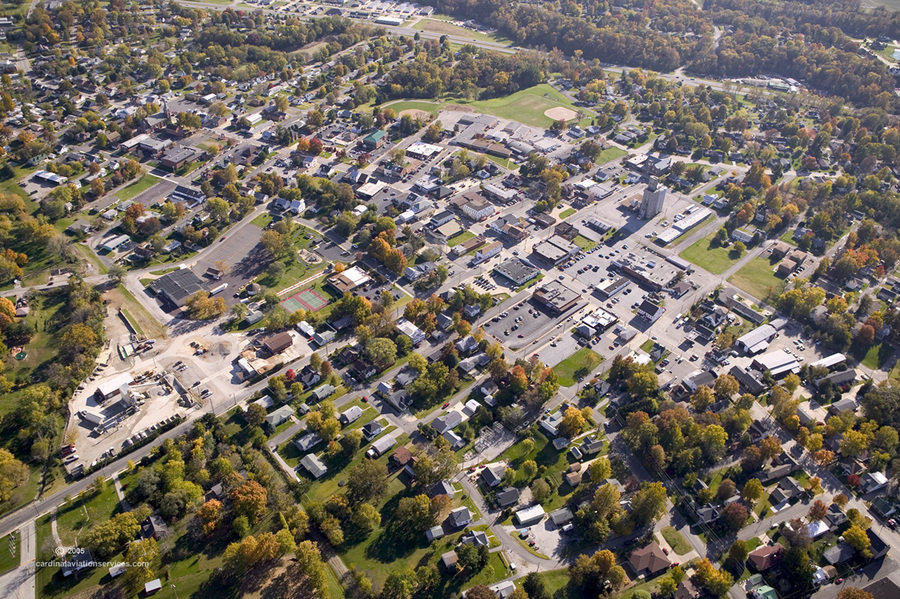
[(507, 497), (372, 429), (650, 311), (282, 414), (323, 392), (474, 537), (839, 554), (154, 527), (492, 475), (467, 345), (348, 280), (309, 377), (649, 559), (686, 590), (443, 487), (777, 473), (278, 343), (153, 586), (787, 489), (707, 514), (350, 415), (380, 446), (305, 443), (401, 457), (460, 517), (561, 517), (434, 533), (446, 422), (76, 561), (313, 465), (877, 545), (530, 515), (449, 560), (375, 140), (763, 558)]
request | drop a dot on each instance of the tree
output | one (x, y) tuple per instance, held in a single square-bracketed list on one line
[(572, 423), (726, 386), (366, 517), (593, 573), (702, 398), (480, 591), (255, 414), (738, 552), (210, 514), (817, 511), (753, 490), (535, 586), (274, 243), (717, 582), (351, 442), (201, 306), (249, 500), (471, 558), (648, 503), (433, 466), (365, 481), (413, 515), (540, 490), (859, 540), (599, 469), (382, 352), (735, 515), (109, 537), (643, 383), (12, 474), (139, 560)]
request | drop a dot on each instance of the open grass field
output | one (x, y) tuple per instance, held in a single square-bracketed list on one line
[(525, 106), (582, 362), (584, 243), (462, 237), (445, 27), (79, 515), (758, 279), (712, 259), (429, 107), (609, 154), (136, 187), (567, 213)]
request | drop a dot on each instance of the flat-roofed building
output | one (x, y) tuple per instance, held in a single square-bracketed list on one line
[(348, 280), (176, 287), (556, 297)]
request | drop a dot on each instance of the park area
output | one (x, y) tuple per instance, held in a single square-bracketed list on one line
[(444, 26), (526, 106), (709, 256)]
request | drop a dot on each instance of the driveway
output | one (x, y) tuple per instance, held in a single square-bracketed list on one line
[(20, 582)]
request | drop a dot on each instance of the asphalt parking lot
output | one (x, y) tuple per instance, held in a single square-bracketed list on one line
[(523, 323), (244, 255)]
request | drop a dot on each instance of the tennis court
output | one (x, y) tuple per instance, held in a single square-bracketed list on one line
[(307, 299)]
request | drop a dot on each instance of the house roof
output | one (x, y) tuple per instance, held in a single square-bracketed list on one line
[(650, 558), (765, 557)]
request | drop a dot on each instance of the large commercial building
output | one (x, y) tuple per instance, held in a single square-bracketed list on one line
[(517, 271), (757, 340), (176, 287), (555, 250), (556, 297)]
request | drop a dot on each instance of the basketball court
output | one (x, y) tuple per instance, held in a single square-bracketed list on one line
[(307, 299)]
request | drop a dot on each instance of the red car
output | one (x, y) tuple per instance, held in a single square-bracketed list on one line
[(365, 399), (446, 404)]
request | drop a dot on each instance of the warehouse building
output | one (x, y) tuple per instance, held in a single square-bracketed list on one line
[(176, 287)]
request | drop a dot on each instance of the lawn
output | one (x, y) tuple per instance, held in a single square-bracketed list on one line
[(556, 582), (138, 313), (758, 279), (462, 237), (9, 559), (544, 454), (262, 220), (447, 28), (584, 243), (533, 281), (709, 257), (80, 514), (577, 366), (676, 540), (609, 154), (567, 213), (133, 189), (429, 107), (525, 106), (89, 254)]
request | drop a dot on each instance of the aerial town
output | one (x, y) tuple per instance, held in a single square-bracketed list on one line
[(368, 299)]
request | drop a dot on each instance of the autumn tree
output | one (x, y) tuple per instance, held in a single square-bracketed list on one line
[(249, 500)]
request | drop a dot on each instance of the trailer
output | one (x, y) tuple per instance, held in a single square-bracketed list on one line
[(95, 419), (218, 289)]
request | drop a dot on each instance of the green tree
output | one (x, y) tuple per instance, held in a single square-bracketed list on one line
[(648, 503)]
